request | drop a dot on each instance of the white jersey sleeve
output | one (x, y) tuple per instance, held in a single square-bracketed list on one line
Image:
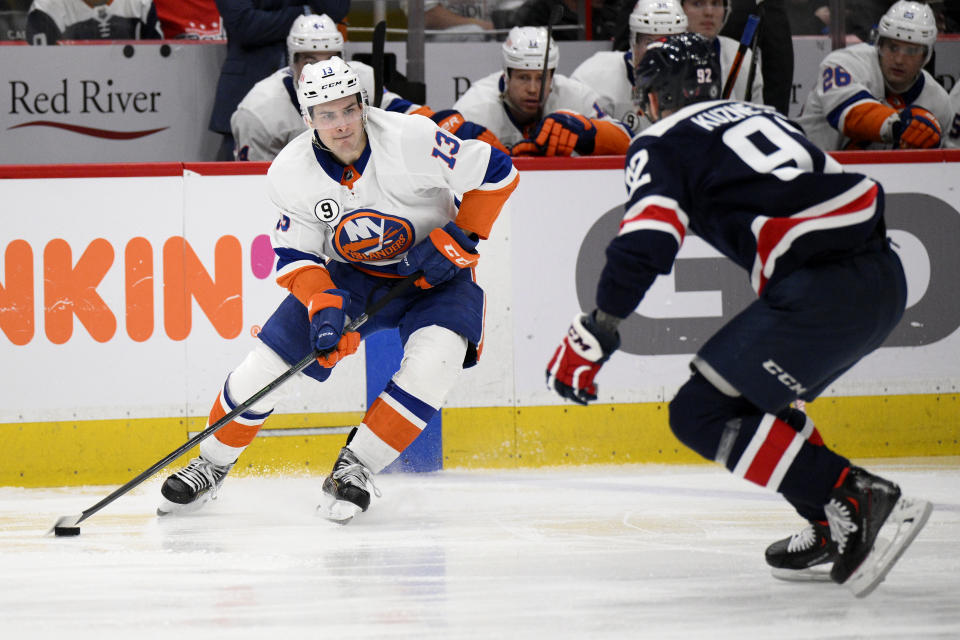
[(951, 129)]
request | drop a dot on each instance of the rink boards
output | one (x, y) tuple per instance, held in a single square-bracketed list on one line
[(129, 291)]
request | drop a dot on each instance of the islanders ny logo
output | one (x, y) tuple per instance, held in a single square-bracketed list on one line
[(366, 235)]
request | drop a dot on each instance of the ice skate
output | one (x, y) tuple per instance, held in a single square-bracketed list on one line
[(857, 512), (805, 556), (192, 487), (345, 489)]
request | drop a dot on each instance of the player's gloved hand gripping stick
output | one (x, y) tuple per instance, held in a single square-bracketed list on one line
[(68, 525), (329, 337), (446, 251)]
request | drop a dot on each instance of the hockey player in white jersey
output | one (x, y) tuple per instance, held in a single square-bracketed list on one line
[(364, 197), (269, 117), (508, 103), (877, 95), (953, 127), (610, 73), (707, 18)]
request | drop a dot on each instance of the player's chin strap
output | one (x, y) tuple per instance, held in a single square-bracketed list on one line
[(318, 142)]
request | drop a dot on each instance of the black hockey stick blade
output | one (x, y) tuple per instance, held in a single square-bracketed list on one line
[(69, 525), (379, 40)]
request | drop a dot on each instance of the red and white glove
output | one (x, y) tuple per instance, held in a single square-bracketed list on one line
[(578, 359), (916, 128)]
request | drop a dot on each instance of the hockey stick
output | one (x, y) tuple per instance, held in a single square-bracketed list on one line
[(751, 76), (68, 525), (379, 39), (556, 12), (745, 40)]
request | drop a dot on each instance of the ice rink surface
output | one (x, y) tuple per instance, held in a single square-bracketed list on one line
[(588, 552)]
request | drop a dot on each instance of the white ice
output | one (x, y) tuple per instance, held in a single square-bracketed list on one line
[(588, 552)]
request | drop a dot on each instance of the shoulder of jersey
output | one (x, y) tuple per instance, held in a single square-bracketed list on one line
[(600, 68), (294, 157), (268, 90)]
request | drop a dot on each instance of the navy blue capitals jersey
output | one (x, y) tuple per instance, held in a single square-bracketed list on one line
[(747, 181)]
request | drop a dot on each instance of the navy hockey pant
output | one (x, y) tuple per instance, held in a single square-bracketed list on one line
[(803, 332)]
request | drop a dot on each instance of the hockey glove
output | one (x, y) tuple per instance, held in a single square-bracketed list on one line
[(916, 128), (453, 121), (579, 357), (327, 320), (561, 133), (440, 257)]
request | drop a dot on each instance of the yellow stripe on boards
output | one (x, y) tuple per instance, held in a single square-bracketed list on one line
[(63, 453), (114, 451), (857, 427)]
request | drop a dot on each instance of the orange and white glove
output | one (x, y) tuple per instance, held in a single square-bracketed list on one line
[(327, 320)]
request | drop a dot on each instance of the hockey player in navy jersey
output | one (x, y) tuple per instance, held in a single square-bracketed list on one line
[(364, 197), (830, 289)]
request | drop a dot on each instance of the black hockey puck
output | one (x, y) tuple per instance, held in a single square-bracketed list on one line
[(63, 532)]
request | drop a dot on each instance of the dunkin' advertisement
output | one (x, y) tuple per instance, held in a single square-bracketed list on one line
[(133, 295)]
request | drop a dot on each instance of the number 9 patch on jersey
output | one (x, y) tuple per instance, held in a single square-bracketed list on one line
[(327, 210)]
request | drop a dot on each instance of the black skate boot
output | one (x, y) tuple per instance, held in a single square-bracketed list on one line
[(803, 556), (346, 489), (192, 487), (856, 511)]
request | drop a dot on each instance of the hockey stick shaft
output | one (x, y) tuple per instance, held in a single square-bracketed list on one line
[(556, 12), (745, 40), (356, 323), (379, 40), (751, 76)]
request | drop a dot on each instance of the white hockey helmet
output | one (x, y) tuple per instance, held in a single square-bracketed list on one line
[(525, 47), (326, 81), (911, 22), (657, 17), (313, 33)]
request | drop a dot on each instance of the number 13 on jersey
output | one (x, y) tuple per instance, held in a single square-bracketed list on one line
[(449, 144)]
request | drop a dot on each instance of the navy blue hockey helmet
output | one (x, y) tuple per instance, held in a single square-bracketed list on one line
[(680, 69)]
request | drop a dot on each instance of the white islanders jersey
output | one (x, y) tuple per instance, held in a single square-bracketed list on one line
[(848, 77), (483, 104), (370, 213), (951, 130), (610, 75), (269, 117)]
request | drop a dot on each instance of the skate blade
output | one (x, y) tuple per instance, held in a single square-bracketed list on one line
[(819, 573), (167, 508), (908, 517), (339, 511)]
